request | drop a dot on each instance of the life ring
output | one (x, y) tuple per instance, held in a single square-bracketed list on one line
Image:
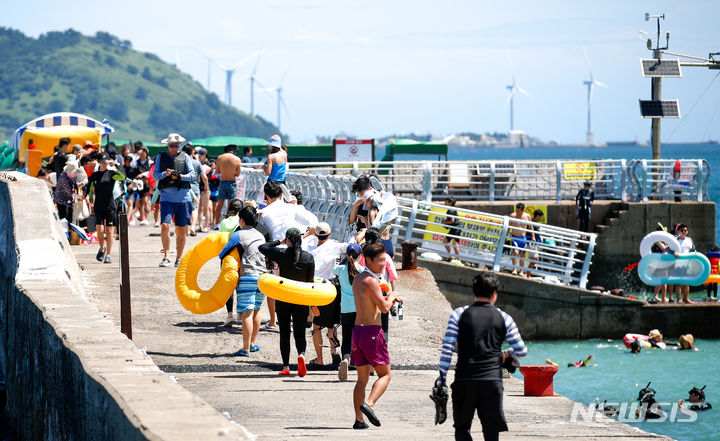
[(629, 339), (191, 296), (712, 278), (660, 269), (658, 236), (318, 293)]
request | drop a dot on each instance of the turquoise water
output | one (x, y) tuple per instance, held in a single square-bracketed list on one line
[(616, 375)]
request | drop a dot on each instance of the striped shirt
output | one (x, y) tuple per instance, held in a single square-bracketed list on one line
[(512, 336)]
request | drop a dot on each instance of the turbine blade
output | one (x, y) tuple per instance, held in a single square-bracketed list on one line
[(598, 83), (524, 93), (246, 59), (587, 61), (282, 78), (263, 88), (509, 97)]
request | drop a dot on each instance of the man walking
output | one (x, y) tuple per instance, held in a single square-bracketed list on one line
[(228, 167), (174, 172), (519, 234), (369, 348), (249, 298), (479, 331)]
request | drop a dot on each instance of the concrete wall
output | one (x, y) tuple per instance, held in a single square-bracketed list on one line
[(617, 245), (546, 312), (71, 374)]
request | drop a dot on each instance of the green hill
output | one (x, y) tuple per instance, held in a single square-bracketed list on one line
[(102, 76)]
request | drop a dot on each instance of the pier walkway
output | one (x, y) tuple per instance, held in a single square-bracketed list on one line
[(197, 351)]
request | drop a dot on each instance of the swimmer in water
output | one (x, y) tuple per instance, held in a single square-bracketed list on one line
[(697, 400), (581, 363)]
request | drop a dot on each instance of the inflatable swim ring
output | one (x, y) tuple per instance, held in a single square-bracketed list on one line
[(644, 340), (319, 293), (658, 236), (660, 269), (712, 278), (191, 296)]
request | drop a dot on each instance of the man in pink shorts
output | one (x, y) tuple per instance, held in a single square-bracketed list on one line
[(369, 347)]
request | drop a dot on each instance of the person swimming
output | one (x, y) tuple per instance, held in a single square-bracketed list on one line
[(649, 407), (696, 398), (581, 363)]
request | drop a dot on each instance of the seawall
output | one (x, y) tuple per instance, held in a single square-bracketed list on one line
[(621, 227), (70, 373), (546, 312)]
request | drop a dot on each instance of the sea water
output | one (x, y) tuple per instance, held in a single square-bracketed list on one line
[(617, 376)]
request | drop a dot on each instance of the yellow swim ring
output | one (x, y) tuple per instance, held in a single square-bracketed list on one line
[(318, 293), (191, 296)]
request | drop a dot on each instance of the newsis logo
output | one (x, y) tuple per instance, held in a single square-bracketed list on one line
[(632, 412)]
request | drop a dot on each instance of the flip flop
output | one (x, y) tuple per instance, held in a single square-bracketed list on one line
[(370, 414), (315, 362)]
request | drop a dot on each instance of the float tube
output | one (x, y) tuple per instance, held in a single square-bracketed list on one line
[(318, 293), (714, 258), (688, 269), (644, 340), (191, 296), (658, 236)]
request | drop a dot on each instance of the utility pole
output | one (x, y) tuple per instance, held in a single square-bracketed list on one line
[(656, 85)]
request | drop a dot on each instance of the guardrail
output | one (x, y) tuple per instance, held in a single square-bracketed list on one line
[(561, 256), (621, 179)]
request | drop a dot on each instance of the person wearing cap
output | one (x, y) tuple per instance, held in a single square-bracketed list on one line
[(229, 167), (174, 172), (276, 165), (326, 253), (346, 273), (66, 190), (583, 203), (196, 185), (247, 241), (294, 264), (101, 186)]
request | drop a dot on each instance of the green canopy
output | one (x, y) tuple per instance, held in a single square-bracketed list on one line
[(412, 147), (310, 153), (215, 145)]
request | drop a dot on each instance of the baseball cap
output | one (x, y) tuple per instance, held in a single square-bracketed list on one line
[(104, 157), (200, 151), (322, 229), (292, 232), (354, 250)]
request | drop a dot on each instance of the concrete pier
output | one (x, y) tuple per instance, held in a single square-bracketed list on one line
[(196, 350)]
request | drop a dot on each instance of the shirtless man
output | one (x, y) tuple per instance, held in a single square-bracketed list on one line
[(519, 236), (228, 167), (369, 347)]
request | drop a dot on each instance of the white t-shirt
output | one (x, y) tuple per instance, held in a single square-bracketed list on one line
[(279, 216), (686, 245), (326, 256)]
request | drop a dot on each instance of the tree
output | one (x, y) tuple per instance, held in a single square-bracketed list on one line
[(132, 70), (140, 93)]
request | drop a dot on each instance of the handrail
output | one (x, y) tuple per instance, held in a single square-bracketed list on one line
[(615, 179), (564, 256)]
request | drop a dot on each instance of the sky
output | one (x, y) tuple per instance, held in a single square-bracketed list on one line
[(375, 68)]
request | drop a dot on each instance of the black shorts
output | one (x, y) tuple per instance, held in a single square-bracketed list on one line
[(452, 233), (329, 314), (484, 397), (106, 216)]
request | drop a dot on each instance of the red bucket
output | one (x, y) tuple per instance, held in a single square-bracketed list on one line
[(538, 380)]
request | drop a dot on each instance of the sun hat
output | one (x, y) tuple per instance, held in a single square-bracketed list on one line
[(71, 167), (655, 334), (687, 341), (250, 203), (172, 139), (322, 229), (275, 142), (88, 143), (354, 250)]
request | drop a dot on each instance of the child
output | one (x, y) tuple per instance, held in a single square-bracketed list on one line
[(714, 257)]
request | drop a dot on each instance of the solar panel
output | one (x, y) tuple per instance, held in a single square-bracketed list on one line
[(660, 109), (661, 68)]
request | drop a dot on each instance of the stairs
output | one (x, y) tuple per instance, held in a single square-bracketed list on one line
[(613, 216)]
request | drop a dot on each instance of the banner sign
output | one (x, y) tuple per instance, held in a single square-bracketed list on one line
[(350, 150), (580, 171), (471, 228)]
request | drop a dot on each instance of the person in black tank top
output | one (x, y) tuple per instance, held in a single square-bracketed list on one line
[(479, 331)]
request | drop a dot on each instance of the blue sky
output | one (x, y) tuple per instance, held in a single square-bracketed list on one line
[(375, 68)]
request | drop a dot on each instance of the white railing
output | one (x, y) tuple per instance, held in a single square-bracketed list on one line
[(526, 179), (485, 240)]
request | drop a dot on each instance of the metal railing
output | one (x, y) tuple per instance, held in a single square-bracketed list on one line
[(559, 180), (561, 255)]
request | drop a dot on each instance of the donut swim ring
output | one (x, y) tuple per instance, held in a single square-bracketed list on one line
[(319, 293), (658, 236), (191, 296), (644, 340)]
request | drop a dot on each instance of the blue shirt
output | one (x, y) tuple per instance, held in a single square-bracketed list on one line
[(278, 172), (347, 301), (174, 194)]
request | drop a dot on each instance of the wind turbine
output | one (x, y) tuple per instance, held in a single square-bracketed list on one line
[(280, 101), (590, 86), (229, 71), (253, 80), (513, 88)]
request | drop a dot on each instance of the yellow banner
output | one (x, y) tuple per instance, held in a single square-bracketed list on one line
[(580, 170), (471, 228), (530, 209)]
